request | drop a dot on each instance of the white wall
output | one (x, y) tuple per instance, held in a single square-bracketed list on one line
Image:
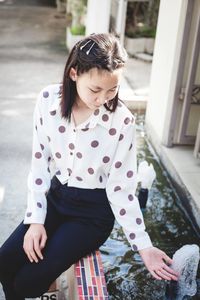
[(164, 68)]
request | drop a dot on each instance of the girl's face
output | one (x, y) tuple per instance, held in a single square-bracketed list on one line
[(96, 87)]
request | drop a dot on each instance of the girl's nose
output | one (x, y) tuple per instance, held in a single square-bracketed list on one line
[(102, 100)]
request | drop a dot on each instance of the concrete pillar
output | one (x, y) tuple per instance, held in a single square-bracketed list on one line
[(98, 16), (121, 19), (169, 35)]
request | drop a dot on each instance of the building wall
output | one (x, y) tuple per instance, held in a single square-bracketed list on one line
[(195, 109), (167, 50), (165, 71)]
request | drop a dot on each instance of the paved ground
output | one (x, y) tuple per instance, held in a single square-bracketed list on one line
[(32, 55)]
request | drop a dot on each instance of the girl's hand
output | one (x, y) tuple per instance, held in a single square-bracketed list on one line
[(153, 259), (34, 241)]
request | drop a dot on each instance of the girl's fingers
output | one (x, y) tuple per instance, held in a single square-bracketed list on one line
[(167, 259), (155, 275), (163, 274), (29, 257), (43, 241), (170, 270), (37, 248), (28, 248), (33, 255)]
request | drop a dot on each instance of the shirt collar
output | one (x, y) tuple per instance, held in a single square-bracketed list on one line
[(56, 102), (100, 116)]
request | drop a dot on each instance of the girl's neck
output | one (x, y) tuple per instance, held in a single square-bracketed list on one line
[(80, 105)]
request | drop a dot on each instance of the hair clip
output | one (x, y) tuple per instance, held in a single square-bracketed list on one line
[(88, 52), (83, 46)]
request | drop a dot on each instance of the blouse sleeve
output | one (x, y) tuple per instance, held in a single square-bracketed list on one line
[(39, 175), (121, 186)]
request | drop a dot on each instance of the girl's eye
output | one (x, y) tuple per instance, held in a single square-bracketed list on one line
[(94, 91)]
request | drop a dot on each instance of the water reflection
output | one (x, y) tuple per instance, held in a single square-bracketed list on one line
[(169, 229)]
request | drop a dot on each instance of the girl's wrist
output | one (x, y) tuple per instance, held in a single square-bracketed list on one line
[(144, 250)]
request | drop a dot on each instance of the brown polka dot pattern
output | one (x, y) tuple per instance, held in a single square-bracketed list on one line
[(79, 155), (38, 155), (61, 129), (39, 205), (58, 155), (58, 172), (85, 129), (134, 247), (129, 174), (117, 188), (79, 178), (131, 145), (132, 236), (112, 131), (105, 117), (69, 171), (96, 112), (121, 137), (49, 158), (53, 112), (49, 139), (29, 214), (100, 178), (94, 144), (48, 170), (122, 212), (139, 221), (38, 181), (106, 159), (41, 121), (118, 164), (91, 171), (45, 94), (71, 146), (127, 121), (130, 197), (42, 146)]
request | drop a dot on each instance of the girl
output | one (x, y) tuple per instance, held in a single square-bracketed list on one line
[(89, 134)]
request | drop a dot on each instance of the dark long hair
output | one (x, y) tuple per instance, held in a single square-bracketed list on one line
[(101, 51)]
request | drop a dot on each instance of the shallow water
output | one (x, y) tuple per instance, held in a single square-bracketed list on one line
[(126, 276)]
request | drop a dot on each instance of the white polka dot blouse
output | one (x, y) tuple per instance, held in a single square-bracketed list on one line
[(98, 153)]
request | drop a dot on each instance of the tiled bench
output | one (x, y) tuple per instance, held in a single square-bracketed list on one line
[(85, 280)]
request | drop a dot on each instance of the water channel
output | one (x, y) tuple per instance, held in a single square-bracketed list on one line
[(126, 276)]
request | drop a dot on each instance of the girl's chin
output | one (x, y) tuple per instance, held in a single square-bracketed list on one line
[(93, 106)]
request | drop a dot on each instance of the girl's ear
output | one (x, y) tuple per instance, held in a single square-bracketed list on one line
[(73, 74)]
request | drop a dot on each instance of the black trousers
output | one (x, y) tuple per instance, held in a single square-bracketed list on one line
[(78, 222)]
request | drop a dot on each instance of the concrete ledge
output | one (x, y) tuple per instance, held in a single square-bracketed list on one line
[(134, 99), (184, 173)]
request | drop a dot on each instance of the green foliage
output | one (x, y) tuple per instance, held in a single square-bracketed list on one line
[(77, 9), (141, 19), (78, 30), (141, 32)]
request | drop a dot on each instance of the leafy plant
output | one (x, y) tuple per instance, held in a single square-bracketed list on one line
[(141, 19), (77, 9), (78, 30)]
